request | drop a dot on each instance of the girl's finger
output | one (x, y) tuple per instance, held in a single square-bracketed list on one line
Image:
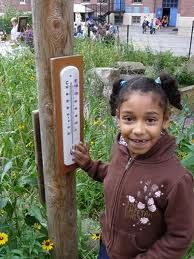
[(81, 147)]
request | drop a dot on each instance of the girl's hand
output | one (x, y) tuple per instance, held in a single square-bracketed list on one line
[(81, 155)]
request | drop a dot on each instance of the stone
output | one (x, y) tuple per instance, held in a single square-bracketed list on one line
[(129, 67), (190, 65), (101, 79)]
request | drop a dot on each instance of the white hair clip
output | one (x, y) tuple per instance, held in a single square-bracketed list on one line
[(122, 83), (158, 81)]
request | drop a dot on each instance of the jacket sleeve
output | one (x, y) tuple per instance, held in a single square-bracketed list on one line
[(97, 170), (179, 219)]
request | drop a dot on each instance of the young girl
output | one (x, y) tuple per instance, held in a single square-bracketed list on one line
[(149, 199)]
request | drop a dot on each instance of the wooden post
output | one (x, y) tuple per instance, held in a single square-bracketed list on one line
[(53, 35), (38, 155)]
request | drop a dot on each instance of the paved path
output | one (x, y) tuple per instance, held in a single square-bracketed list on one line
[(164, 40)]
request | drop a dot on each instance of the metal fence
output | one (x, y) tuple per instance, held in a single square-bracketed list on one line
[(167, 39)]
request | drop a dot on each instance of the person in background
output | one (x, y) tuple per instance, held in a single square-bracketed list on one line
[(158, 24), (149, 199), (165, 21), (152, 26), (28, 36), (144, 25), (14, 31)]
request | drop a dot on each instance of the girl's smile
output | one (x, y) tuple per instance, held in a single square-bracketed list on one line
[(141, 120)]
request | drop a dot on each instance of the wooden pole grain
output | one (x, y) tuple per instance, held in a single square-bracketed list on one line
[(53, 35)]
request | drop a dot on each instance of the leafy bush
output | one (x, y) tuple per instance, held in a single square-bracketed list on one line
[(184, 77)]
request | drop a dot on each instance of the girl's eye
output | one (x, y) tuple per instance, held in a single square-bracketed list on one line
[(151, 120), (128, 119)]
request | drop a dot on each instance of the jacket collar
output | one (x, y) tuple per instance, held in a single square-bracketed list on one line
[(163, 150)]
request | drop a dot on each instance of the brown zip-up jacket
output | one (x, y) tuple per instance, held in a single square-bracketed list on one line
[(149, 201)]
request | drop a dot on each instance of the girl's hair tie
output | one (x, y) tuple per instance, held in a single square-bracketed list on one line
[(158, 81), (122, 83)]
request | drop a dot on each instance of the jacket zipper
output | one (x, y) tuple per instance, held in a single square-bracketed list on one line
[(129, 163)]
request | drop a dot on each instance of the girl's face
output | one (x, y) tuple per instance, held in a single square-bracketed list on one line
[(141, 120)]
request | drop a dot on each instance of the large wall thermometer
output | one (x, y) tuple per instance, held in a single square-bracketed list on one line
[(70, 107), (67, 82)]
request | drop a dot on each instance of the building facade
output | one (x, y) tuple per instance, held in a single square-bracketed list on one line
[(129, 12), (132, 12), (185, 16)]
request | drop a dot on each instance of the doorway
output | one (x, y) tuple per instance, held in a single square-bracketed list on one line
[(166, 12), (171, 13), (169, 9)]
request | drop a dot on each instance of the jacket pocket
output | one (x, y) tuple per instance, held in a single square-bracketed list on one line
[(138, 247), (124, 244)]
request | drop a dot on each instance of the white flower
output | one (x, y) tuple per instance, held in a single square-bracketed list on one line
[(131, 199), (150, 201), (152, 208), (154, 187), (140, 205), (158, 193), (144, 220), (145, 188)]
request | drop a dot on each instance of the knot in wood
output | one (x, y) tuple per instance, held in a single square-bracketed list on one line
[(56, 30)]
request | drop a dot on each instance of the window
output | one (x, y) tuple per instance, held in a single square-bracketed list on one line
[(22, 1), (102, 1), (118, 19), (136, 19), (170, 3), (84, 1), (137, 1)]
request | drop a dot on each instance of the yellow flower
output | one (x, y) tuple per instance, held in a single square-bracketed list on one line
[(47, 245), (21, 127), (13, 174), (2, 212), (37, 226), (3, 238), (95, 236), (97, 122), (193, 141), (92, 143), (182, 155)]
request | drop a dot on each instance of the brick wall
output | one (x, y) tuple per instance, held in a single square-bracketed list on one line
[(17, 4), (187, 8)]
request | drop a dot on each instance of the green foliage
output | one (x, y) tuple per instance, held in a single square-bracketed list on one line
[(97, 54), (10, 12), (184, 77), (5, 22), (20, 208), (182, 126)]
